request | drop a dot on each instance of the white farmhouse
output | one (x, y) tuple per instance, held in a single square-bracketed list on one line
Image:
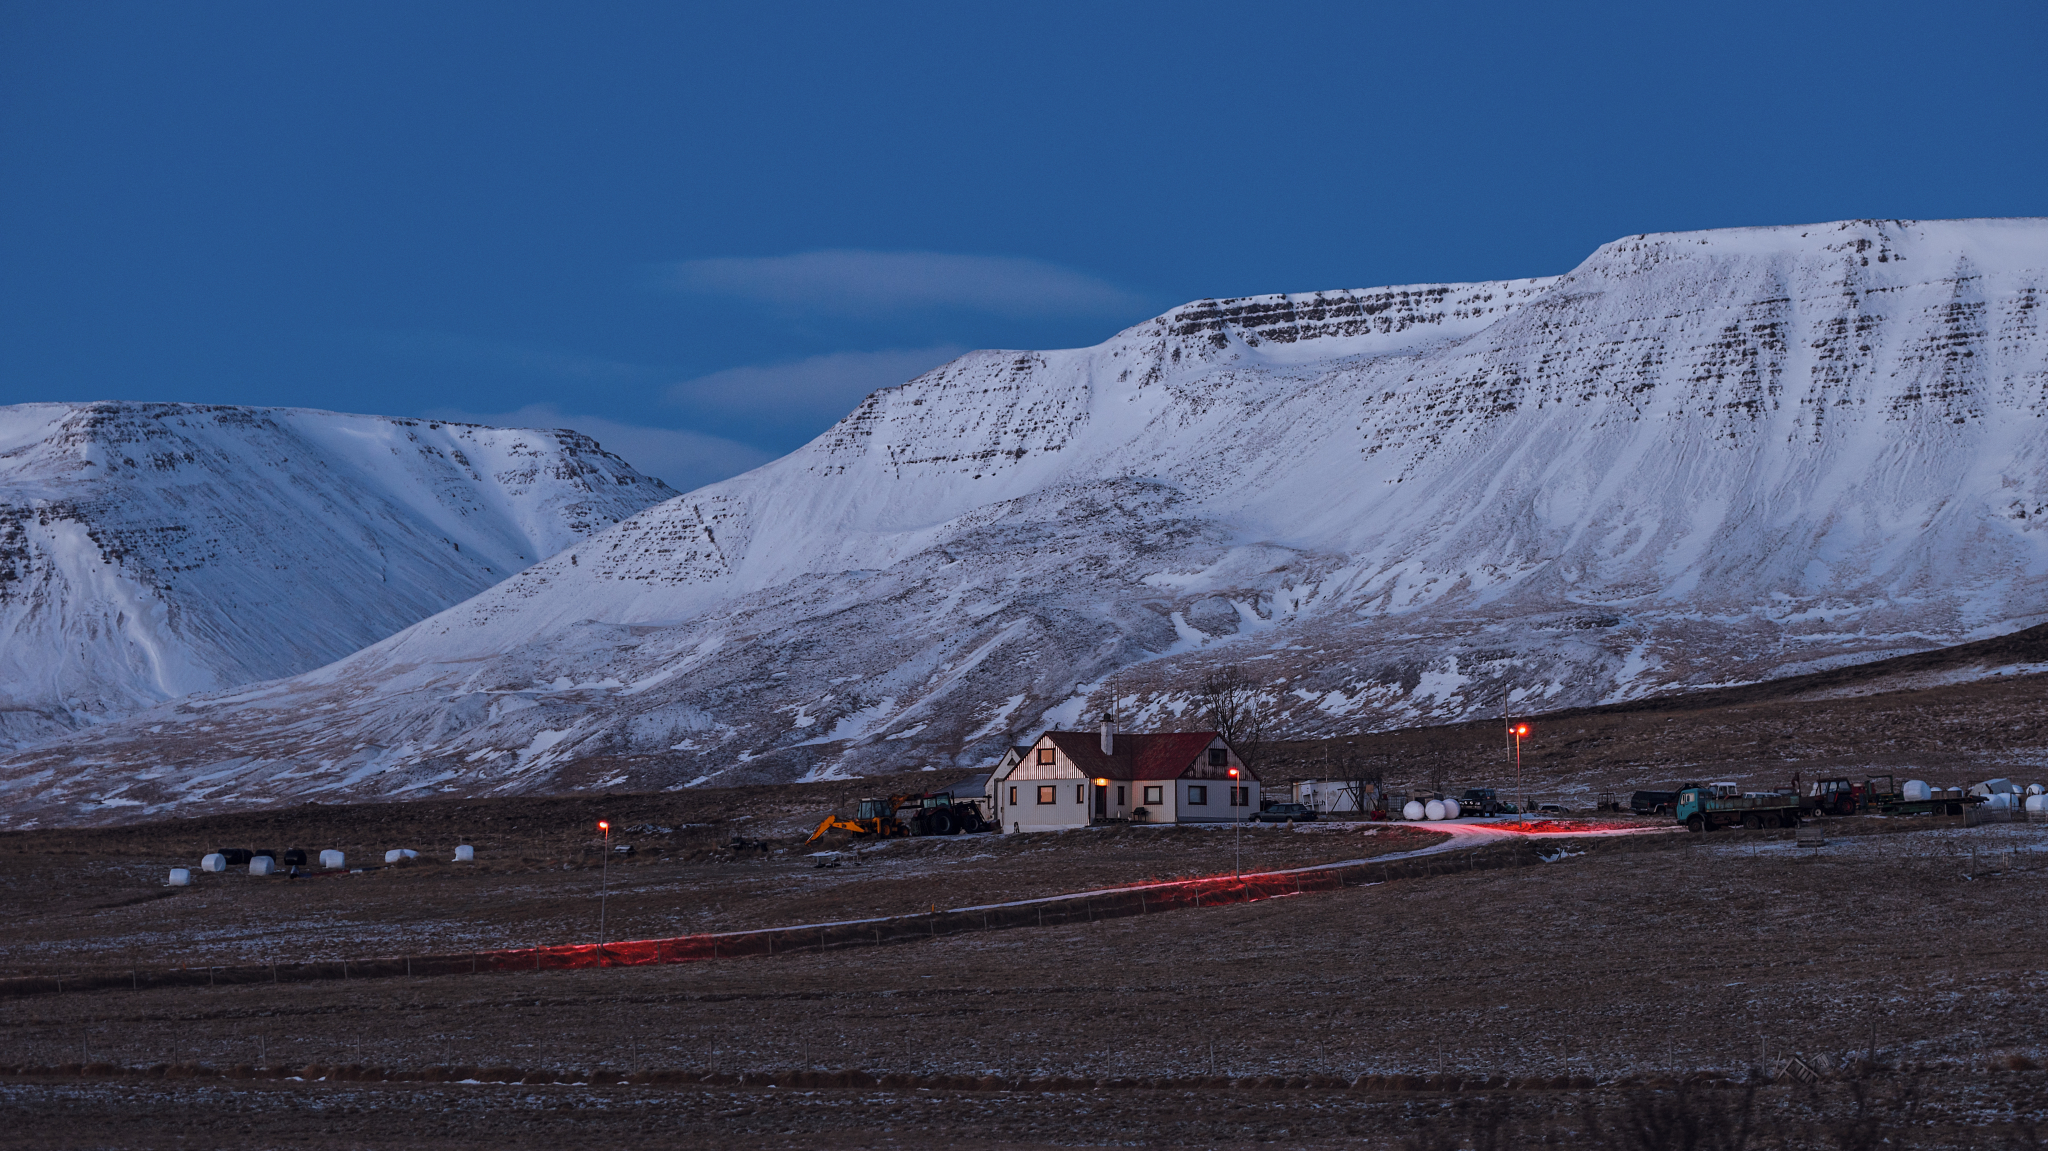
[(1076, 778)]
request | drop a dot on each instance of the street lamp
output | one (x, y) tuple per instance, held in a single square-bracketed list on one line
[(1518, 731), (604, 885), (1237, 832)]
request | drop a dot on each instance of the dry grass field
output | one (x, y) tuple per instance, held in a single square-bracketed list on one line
[(1586, 994)]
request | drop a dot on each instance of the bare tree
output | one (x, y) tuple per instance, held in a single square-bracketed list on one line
[(1233, 706)]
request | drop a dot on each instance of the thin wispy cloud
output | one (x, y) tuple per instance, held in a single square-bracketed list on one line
[(850, 282), (818, 388), (683, 459)]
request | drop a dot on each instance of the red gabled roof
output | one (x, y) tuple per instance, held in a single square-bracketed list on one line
[(1162, 756)]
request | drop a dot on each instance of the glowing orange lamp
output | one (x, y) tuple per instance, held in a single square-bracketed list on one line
[(604, 875)]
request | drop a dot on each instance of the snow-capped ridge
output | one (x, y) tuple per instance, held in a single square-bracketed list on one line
[(152, 550), (1696, 458)]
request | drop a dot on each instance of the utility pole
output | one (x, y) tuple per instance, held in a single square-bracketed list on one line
[(604, 874), (1237, 828)]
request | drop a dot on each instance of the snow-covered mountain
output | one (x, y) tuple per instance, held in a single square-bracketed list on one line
[(1695, 459), (151, 550)]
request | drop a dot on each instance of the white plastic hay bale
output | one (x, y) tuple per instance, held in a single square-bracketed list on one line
[(399, 854), (465, 854), (1434, 809), (333, 860), (262, 865), (1451, 809), (1998, 801), (214, 862), (180, 877), (2037, 803), (2036, 789), (1917, 790), (1413, 809)]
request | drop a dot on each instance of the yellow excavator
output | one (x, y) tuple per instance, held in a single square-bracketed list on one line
[(876, 817)]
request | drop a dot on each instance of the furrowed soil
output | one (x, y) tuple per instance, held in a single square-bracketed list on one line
[(1590, 987)]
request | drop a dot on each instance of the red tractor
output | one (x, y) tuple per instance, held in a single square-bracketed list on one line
[(1832, 797)]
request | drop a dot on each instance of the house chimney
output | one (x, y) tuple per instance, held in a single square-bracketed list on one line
[(1108, 735)]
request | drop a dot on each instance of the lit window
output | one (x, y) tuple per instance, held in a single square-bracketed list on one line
[(1045, 794), (1045, 755), (1219, 757), (1080, 793), (1198, 796), (1013, 797), (1155, 795)]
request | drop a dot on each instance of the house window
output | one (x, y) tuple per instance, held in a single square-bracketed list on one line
[(1219, 757), (1155, 795), (1240, 797), (1045, 794), (1119, 797), (1045, 755), (1080, 793), (1198, 796), (1013, 797)]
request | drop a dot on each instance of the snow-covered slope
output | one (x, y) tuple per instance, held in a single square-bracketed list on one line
[(1695, 459), (151, 550)]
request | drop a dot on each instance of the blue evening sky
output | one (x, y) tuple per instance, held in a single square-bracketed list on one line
[(702, 232)]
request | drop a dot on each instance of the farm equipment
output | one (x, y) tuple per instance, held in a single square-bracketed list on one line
[(1889, 799), (1883, 796), (1831, 797), (939, 813), (935, 813), (1718, 805), (875, 817)]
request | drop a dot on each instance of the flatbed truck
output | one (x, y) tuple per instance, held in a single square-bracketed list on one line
[(1721, 805)]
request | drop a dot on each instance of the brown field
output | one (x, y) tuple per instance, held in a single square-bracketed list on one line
[(1562, 999)]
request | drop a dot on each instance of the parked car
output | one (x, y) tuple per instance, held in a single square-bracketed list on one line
[(1484, 801), (1286, 813), (1553, 809)]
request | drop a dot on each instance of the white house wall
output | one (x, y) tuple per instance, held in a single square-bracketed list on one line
[(1027, 814)]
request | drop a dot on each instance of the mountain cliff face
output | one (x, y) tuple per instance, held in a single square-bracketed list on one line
[(152, 550), (1695, 459)]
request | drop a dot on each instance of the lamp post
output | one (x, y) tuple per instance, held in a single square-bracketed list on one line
[(1518, 731), (604, 874), (1237, 832)]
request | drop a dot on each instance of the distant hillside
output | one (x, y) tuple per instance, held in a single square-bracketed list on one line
[(152, 550)]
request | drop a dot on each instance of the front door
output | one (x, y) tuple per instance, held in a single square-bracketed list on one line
[(1102, 801)]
